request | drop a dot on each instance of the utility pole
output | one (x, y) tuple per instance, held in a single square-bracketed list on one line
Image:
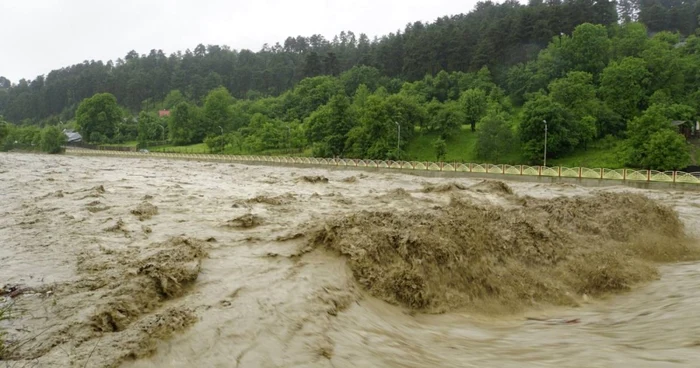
[(545, 143), (222, 139), (398, 139)]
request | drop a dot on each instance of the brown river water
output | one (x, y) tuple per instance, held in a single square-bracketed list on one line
[(261, 299)]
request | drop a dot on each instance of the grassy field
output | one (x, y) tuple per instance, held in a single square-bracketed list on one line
[(194, 148), (593, 157), (460, 148)]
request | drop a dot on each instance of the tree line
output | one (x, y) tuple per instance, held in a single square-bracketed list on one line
[(616, 82), (613, 83), (492, 35)]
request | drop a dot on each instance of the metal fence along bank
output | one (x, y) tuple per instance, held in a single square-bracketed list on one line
[(507, 170)]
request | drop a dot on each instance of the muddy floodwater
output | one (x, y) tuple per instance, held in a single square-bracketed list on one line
[(160, 263)]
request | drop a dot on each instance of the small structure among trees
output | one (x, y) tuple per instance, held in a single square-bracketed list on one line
[(688, 129)]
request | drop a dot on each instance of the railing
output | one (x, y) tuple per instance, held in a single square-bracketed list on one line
[(512, 170)]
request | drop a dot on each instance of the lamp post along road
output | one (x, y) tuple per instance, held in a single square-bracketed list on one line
[(223, 145), (398, 139), (545, 143)]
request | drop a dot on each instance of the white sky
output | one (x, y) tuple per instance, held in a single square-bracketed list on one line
[(37, 36)]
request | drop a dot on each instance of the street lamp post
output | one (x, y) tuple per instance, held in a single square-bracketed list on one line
[(398, 139), (222, 139), (545, 143), (289, 139)]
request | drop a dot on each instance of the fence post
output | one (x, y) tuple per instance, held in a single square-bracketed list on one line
[(601, 172), (503, 168), (539, 170), (674, 176), (624, 174), (521, 169), (470, 167), (648, 175), (579, 172), (560, 171)]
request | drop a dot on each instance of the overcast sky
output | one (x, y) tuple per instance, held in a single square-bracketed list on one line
[(37, 36)]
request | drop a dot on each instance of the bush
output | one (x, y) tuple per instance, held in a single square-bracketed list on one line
[(216, 143), (666, 150), (52, 139), (440, 148)]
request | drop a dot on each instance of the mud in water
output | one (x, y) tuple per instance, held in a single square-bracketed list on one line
[(145, 211), (388, 271), (246, 221), (495, 259), (492, 186), (443, 187), (314, 179)]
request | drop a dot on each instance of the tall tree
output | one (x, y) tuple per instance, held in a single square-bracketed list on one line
[(98, 116), (312, 65), (217, 112), (182, 124), (623, 86), (560, 133), (474, 103), (52, 139)]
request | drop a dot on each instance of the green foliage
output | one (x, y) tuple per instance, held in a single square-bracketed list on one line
[(496, 35), (494, 137), (264, 133), (446, 118), (562, 134), (327, 127), (623, 86), (23, 137), (666, 150), (148, 129), (474, 103), (576, 92), (174, 98), (376, 134), (309, 95), (182, 125), (98, 117), (589, 49), (52, 139), (360, 75), (217, 111), (4, 129), (665, 67), (652, 130), (630, 39), (440, 149), (217, 143), (593, 78)]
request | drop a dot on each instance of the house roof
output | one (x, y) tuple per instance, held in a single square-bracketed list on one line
[(678, 122), (72, 136)]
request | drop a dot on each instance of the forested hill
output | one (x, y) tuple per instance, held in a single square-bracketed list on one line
[(493, 35)]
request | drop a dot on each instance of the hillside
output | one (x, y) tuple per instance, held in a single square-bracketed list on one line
[(493, 35), (607, 90)]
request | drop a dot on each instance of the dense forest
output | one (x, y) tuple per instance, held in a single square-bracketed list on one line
[(594, 70), (493, 35)]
